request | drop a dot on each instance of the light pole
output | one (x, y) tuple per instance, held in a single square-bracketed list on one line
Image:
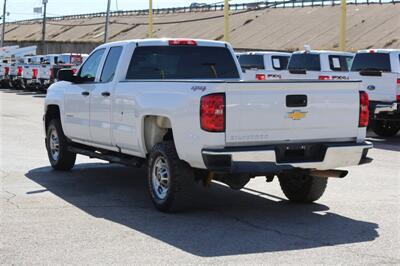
[(4, 23), (150, 33), (226, 20), (342, 35), (44, 27), (107, 21)]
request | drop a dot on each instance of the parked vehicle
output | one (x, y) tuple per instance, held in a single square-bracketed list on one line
[(16, 74), (31, 72), (180, 108), (26, 72), (46, 70), (51, 63), (322, 65), (5, 73), (70, 60), (379, 70), (263, 65), (10, 68)]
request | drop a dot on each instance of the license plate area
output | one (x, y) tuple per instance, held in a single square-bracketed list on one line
[(295, 153)]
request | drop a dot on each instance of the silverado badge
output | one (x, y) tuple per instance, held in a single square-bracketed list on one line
[(296, 114)]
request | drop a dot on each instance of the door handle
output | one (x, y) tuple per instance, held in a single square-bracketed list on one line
[(85, 93), (105, 93)]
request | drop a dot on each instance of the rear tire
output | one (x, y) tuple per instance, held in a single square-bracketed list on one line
[(170, 181), (57, 147), (302, 187), (384, 128)]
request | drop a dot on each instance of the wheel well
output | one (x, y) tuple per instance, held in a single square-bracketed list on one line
[(53, 112), (156, 129)]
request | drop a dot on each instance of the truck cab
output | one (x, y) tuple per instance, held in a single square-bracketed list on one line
[(266, 65), (320, 65), (379, 71)]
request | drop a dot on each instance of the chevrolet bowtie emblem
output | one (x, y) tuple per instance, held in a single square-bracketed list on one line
[(296, 115)]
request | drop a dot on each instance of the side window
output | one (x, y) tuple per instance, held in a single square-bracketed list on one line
[(89, 69), (110, 65), (349, 61), (334, 63), (340, 63), (280, 62)]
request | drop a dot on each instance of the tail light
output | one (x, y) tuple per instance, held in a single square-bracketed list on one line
[(324, 77), (212, 112), (34, 73), (6, 70), (74, 70), (260, 77), (51, 73), (398, 91), (182, 42), (19, 71), (364, 111)]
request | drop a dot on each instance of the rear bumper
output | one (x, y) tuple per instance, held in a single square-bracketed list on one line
[(268, 159)]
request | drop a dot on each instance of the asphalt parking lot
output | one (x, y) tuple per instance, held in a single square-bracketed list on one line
[(99, 213)]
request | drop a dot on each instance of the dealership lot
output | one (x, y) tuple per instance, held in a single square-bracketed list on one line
[(99, 213)]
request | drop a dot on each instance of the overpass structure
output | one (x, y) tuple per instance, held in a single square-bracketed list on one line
[(285, 25)]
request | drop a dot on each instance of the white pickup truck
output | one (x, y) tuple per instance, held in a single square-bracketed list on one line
[(379, 71), (263, 65), (179, 107), (319, 64)]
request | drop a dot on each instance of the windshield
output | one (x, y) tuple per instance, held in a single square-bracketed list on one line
[(371, 61), (304, 62)]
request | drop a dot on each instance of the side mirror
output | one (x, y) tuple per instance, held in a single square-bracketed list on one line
[(65, 75)]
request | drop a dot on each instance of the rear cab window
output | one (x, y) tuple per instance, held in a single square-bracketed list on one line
[(251, 62), (182, 62), (340, 62), (371, 62), (305, 61), (279, 62)]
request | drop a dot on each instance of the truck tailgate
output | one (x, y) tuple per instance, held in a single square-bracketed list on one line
[(298, 111)]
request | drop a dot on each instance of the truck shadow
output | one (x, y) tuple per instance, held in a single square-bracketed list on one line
[(391, 144), (221, 222)]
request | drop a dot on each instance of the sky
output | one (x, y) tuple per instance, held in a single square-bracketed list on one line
[(23, 9)]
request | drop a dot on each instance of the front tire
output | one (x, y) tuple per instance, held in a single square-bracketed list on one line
[(384, 128), (302, 187), (57, 147), (170, 180)]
